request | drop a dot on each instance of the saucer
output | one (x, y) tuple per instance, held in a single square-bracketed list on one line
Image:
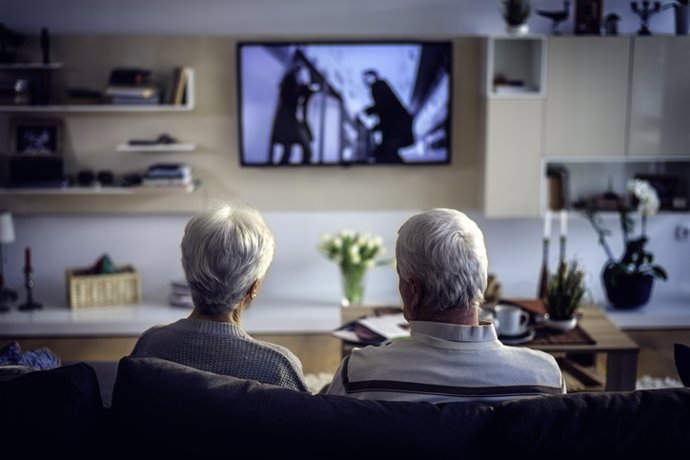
[(524, 337)]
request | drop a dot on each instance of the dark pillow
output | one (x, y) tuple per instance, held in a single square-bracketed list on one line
[(631, 424), (51, 410), (681, 355), (167, 405)]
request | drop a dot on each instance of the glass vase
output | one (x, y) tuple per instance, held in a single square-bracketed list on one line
[(353, 287)]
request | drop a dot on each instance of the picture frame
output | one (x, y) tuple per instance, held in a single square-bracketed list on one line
[(32, 137), (588, 17)]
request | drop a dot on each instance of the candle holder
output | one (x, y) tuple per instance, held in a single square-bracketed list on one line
[(542, 289), (30, 303)]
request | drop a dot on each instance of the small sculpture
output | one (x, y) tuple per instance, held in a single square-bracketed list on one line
[(611, 24), (556, 16)]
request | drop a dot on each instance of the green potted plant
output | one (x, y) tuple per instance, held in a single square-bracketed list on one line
[(564, 296), (515, 14), (628, 280)]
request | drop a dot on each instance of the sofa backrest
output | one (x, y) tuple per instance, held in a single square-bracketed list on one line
[(190, 411), (197, 412), (57, 411)]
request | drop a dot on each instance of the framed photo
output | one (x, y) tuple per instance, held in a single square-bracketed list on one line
[(588, 17), (36, 137)]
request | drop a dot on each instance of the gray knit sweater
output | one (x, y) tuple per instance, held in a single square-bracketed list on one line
[(222, 348)]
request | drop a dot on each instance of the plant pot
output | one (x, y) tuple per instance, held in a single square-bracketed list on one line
[(518, 29), (562, 325), (628, 290)]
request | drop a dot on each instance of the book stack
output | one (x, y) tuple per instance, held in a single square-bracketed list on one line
[(132, 86), (168, 174), (180, 295)]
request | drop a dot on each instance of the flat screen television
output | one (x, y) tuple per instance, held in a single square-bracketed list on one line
[(344, 103)]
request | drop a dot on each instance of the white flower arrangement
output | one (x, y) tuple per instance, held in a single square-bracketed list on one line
[(648, 200), (354, 253), (351, 250)]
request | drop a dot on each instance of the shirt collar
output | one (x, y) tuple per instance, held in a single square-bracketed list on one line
[(485, 332)]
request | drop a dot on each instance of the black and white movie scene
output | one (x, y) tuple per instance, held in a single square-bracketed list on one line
[(344, 103)]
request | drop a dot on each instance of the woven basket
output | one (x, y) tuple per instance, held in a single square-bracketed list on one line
[(85, 290)]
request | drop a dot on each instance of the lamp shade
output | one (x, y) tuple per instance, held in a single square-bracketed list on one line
[(6, 227)]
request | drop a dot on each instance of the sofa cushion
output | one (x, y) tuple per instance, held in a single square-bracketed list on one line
[(51, 410), (595, 425), (158, 401), (681, 357)]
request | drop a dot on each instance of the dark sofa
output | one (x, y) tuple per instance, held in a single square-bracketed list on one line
[(161, 408)]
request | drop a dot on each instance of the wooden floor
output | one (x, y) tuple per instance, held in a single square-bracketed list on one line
[(322, 352)]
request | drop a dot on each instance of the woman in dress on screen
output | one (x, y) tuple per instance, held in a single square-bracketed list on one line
[(290, 124), (226, 251)]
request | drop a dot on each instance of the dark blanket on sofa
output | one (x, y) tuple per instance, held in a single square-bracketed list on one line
[(183, 410)]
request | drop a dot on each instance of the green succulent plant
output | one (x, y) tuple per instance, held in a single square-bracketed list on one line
[(565, 291), (516, 12)]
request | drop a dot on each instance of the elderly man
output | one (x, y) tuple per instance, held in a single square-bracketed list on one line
[(450, 355)]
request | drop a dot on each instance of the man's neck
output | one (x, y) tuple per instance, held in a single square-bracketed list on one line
[(459, 315)]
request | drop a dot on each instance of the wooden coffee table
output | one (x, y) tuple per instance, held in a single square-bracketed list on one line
[(619, 350), (615, 347)]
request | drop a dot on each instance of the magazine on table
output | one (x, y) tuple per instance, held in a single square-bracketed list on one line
[(374, 330)]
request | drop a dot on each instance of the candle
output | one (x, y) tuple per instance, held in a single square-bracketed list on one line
[(564, 223), (547, 224), (27, 257)]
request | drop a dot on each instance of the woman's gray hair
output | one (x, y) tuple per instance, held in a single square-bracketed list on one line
[(225, 248), (444, 249)]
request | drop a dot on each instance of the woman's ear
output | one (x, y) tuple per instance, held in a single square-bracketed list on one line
[(254, 289)]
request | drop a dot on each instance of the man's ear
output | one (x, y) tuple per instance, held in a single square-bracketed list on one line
[(417, 292)]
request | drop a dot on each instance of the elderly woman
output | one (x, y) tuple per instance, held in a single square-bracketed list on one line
[(226, 251), (451, 355)]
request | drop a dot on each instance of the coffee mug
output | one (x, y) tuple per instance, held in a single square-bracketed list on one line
[(511, 320)]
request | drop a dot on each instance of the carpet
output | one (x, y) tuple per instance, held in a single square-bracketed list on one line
[(647, 382)]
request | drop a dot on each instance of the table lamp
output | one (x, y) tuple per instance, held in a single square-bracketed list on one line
[(6, 237)]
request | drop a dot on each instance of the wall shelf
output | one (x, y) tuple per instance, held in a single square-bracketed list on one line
[(81, 191), (92, 108), (515, 67), (161, 148)]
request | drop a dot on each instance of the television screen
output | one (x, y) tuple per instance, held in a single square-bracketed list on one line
[(344, 103)]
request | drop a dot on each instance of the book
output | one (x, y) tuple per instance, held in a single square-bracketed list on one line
[(374, 330), (133, 91), (179, 86)]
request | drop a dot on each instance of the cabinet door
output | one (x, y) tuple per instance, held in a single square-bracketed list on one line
[(586, 103), (660, 97), (512, 172)]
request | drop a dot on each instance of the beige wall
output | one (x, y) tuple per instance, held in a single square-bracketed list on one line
[(91, 137)]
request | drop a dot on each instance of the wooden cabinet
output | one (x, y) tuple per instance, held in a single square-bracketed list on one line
[(512, 169), (587, 102), (660, 97)]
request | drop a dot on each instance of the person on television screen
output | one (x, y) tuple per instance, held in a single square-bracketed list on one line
[(290, 124), (394, 121), (450, 354), (226, 251)]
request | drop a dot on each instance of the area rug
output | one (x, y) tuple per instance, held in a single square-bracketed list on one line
[(647, 382)]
